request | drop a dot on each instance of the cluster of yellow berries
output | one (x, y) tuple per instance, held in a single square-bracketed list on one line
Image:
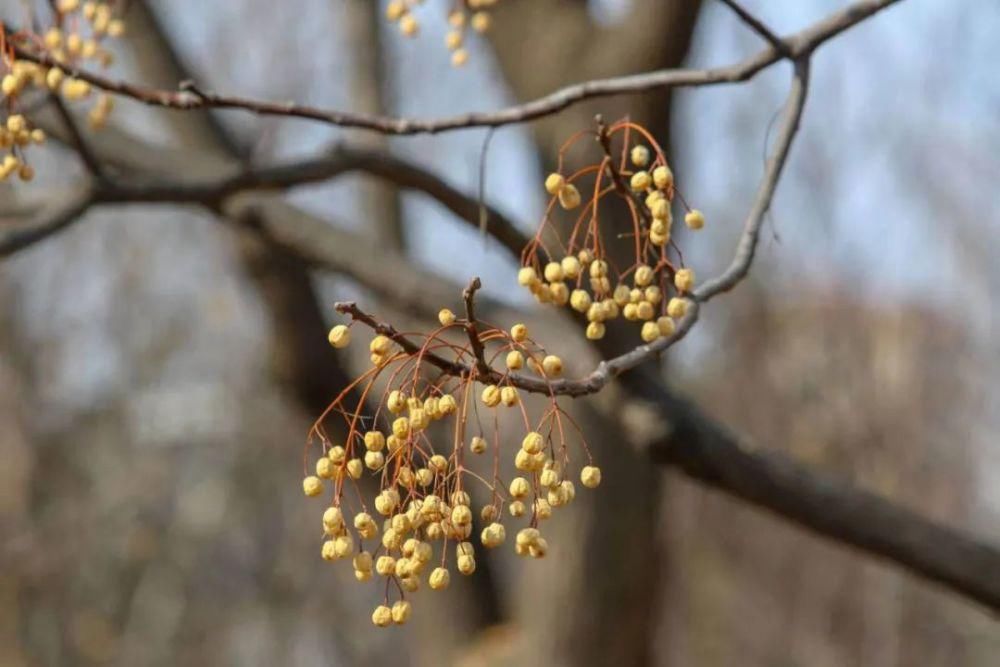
[(16, 133), (421, 522), (469, 13), (91, 23), (652, 291)]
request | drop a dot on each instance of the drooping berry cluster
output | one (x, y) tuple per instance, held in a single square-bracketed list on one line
[(464, 13), (75, 37), (564, 260), (430, 441)]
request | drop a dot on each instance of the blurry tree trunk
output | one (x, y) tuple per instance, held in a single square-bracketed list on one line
[(370, 84), (596, 605)]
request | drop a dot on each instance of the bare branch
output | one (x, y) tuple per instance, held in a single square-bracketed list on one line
[(822, 504), (758, 27), (747, 246), (50, 223), (191, 97)]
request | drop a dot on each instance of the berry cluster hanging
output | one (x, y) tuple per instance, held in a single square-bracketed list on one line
[(424, 420), (76, 36)]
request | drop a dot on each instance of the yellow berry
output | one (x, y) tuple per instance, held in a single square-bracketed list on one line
[(677, 307), (580, 300), (337, 454), (493, 535), (116, 27), (552, 365), (590, 476), (379, 345), (459, 57), (395, 10), (694, 219), (660, 209), (374, 460), (466, 564), (569, 197), (640, 181), (666, 326), (16, 123), (684, 280), (400, 612), (553, 272), (491, 395), (343, 545), (354, 469), (396, 401), (446, 317), (401, 427), (595, 330), (570, 267), (325, 468), (519, 487), (453, 39), (559, 293), (516, 509), (439, 579), (54, 78), (554, 184), (374, 441), (461, 515), (447, 405), (478, 445), (409, 25), (340, 336), (644, 310), (480, 22), (333, 520), (650, 332), (527, 276), (312, 486), (533, 442), (519, 333), (365, 525), (639, 156), (663, 178), (382, 616), (539, 548), (643, 275), (508, 396)]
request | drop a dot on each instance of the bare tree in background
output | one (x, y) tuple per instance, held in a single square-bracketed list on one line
[(600, 605)]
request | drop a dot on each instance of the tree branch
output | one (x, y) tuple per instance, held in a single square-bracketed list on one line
[(71, 209), (191, 97), (822, 504), (747, 246)]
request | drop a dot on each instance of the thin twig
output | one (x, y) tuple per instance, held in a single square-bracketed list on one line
[(471, 328), (617, 179), (758, 27), (79, 142), (747, 246)]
